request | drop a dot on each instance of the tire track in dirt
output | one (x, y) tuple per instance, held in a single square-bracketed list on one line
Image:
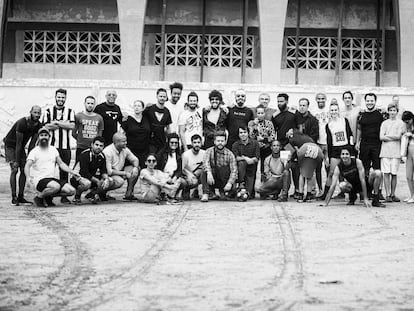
[(118, 284), (71, 275)]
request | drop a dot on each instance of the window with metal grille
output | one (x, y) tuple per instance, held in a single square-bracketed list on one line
[(72, 47), (320, 53), (219, 50)]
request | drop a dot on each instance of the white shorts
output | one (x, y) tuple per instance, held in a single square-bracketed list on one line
[(390, 165)]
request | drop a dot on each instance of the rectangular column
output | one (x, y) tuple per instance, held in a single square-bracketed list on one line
[(406, 12)]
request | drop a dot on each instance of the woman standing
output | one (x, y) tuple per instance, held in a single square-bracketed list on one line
[(137, 130), (407, 150)]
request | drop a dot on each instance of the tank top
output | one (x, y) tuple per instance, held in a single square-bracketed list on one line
[(338, 131), (349, 172)]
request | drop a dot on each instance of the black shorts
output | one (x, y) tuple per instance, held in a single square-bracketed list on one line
[(75, 183), (10, 154), (42, 184), (369, 156), (336, 151)]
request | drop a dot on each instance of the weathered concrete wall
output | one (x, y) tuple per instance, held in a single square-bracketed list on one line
[(407, 46), (73, 11)]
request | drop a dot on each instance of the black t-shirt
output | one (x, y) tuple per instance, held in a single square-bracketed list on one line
[(90, 164), (24, 126), (370, 124), (236, 118), (282, 123), (138, 134), (350, 172), (111, 115), (158, 138)]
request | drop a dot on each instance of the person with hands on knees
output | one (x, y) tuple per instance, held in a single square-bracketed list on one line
[(220, 170), (354, 180), (40, 168), (116, 155)]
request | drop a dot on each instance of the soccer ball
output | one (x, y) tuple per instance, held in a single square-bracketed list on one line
[(242, 195)]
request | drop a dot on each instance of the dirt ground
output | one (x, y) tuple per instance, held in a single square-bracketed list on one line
[(259, 255)]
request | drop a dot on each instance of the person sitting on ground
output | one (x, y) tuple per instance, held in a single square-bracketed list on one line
[(220, 170), (192, 163), (277, 175), (153, 182), (116, 154), (247, 152), (40, 169), (92, 169), (354, 180)]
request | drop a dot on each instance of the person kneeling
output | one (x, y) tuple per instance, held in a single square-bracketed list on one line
[(153, 183), (92, 161), (40, 168), (352, 171)]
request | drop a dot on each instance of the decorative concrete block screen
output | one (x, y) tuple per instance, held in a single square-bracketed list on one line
[(320, 53), (219, 50), (72, 47)]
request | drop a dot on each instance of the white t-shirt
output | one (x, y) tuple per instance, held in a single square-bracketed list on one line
[(323, 116), (192, 161), (193, 122), (391, 149), (44, 162), (338, 131), (175, 111), (171, 165)]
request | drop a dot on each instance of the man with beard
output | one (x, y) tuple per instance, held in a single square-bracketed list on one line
[(247, 152), (40, 169), (214, 119), (93, 174), (368, 141), (190, 121), (285, 120), (116, 155), (174, 106), (264, 100), (111, 115), (88, 125), (60, 121), (238, 116), (22, 131), (192, 166), (321, 113), (277, 175), (220, 170), (160, 120)]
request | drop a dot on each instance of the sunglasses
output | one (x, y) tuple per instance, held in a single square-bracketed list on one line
[(151, 160)]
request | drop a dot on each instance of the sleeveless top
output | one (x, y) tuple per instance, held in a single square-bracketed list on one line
[(349, 172)]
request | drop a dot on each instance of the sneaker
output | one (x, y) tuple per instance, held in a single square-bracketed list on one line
[(171, 201), (381, 197), (388, 199), (14, 201), (77, 201), (64, 200), (410, 200), (39, 202), (376, 202), (195, 194), (300, 198), (109, 198), (204, 197), (23, 201), (130, 198), (350, 203), (309, 197), (49, 201), (89, 195), (395, 199), (283, 197)]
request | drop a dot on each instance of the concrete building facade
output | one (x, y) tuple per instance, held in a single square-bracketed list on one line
[(337, 42)]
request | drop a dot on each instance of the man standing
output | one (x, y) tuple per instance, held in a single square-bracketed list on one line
[(285, 120), (160, 121), (368, 141), (220, 170), (277, 175), (22, 131), (40, 169), (264, 100), (116, 154), (92, 169), (214, 119), (390, 134), (175, 106), (350, 111), (190, 121), (192, 166), (238, 116), (305, 121), (60, 121), (88, 125), (111, 115)]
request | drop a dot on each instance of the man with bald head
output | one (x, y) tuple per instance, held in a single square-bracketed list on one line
[(22, 131), (116, 154), (264, 100), (111, 114), (239, 116)]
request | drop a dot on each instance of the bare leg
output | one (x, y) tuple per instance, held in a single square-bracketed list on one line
[(387, 184)]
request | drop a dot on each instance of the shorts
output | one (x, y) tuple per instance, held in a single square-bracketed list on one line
[(369, 155), (390, 165), (42, 184), (10, 154), (308, 167), (336, 151)]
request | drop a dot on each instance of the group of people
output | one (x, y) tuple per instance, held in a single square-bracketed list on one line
[(170, 150)]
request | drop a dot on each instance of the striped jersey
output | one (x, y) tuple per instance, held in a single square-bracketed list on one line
[(60, 138)]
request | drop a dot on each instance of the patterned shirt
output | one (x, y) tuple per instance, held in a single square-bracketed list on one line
[(215, 158), (264, 129), (60, 136)]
